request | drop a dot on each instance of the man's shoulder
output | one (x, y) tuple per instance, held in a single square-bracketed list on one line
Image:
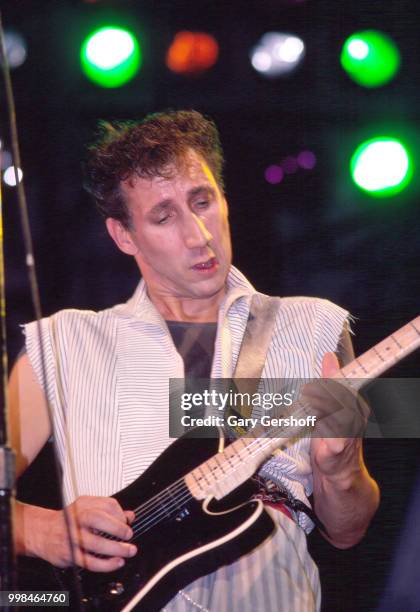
[(310, 302), (311, 311), (83, 315), (76, 322)]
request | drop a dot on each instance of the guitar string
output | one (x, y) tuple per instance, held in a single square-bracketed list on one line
[(175, 487), (146, 521), (172, 491), (141, 525)]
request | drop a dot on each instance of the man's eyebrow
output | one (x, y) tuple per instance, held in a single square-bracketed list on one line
[(191, 194), (200, 190), (157, 208)]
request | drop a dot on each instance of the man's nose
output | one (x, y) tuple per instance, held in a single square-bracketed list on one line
[(196, 234)]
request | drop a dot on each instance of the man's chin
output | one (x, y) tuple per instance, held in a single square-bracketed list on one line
[(209, 287), (209, 290)]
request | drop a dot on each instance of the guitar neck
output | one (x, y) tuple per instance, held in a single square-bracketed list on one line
[(383, 356), (240, 460)]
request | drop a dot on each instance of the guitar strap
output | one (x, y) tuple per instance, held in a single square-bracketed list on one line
[(253, 352), (257, 337), (246, 378)]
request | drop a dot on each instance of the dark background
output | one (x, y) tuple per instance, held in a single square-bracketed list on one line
[(313, 234)]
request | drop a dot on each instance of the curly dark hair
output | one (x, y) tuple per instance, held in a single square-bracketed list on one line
[(146, 148)]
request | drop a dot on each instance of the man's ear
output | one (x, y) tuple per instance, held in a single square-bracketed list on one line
[(121, 236)]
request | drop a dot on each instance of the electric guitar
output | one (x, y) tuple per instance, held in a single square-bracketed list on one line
[(195, 506)]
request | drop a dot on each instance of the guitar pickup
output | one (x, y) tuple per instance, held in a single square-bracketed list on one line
[(183, 514)]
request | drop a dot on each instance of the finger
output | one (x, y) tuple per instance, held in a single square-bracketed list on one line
[(96, 564), (330, 365), (335, 417), (130, 516), (109, 505), (112, 507), (340, 425), (101, 521), (327, 397), (99, 545), (325, 389), (335, 445), (327, 449)]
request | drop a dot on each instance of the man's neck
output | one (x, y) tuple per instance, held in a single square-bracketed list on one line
[(193, 310)]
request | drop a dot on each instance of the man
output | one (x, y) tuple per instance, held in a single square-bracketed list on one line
[(159, 186)]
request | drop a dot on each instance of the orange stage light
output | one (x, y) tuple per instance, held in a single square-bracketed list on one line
[(192, 53)]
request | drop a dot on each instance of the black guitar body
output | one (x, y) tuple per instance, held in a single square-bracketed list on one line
[(178, 532)]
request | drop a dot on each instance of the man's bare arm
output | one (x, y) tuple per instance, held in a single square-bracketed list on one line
[(28, 416), (41, 532)]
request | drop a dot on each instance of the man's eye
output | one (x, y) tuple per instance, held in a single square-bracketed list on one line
[(202, 204), (163, 220)]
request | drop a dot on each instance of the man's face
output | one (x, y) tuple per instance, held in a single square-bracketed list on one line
[(179, 232)]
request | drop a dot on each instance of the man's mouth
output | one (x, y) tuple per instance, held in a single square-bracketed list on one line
[(205, 265)]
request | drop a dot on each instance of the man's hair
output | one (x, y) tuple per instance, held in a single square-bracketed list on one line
[(148, 148)]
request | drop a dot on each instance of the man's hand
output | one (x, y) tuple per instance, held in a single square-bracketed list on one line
[(345, 495), (340, 413), (88, 516)]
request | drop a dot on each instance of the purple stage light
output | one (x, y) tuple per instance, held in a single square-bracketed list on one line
[(274, 175), (306, 160)]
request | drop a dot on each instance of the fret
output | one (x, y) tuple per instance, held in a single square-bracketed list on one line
[(413, 325), (384, 354), (252, 446), (407, 334), (201, 471), (255, 447), (198, 481), (233, 455), (229, 455), (379, 355), (214, 466), (229, 452), (351, 370), (240, 445), (212, 469), (230, 462), (259, 442), (395, 340), (388, 352), (365, 370), (194, 483), (219, 463)]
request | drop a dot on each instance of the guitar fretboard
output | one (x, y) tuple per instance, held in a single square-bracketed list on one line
[(384, 355), (240, 460)]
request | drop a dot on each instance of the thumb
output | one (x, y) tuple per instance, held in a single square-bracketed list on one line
[(130, 516), (330, 365)]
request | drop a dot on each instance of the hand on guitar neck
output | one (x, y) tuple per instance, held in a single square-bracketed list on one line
[(342, 416), (345, 496)]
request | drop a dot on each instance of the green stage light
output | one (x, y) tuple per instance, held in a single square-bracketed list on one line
[(381, 166), (370, 58), (110, 56)]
